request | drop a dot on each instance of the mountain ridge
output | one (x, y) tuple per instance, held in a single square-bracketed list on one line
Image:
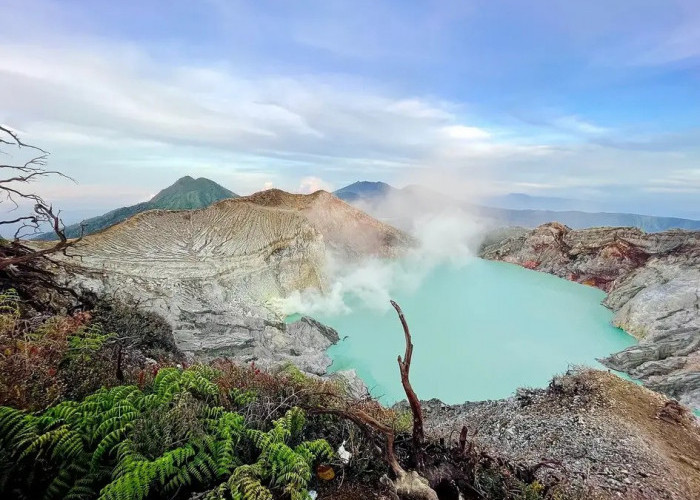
[(363, 189), (370, 198), (186, 193)]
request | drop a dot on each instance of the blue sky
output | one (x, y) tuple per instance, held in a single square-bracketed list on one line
[(595, 100)]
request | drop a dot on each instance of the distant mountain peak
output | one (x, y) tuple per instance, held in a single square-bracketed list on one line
[(514, 209), (186, 193), (363, 189), (362, 184)]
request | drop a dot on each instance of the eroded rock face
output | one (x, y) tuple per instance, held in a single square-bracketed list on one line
[(346, 230), (352, 382), (653, 285), (214, 273)]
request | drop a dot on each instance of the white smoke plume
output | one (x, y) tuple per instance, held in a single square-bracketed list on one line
[(446, 233)]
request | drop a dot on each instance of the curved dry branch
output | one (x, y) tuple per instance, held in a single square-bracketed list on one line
[(413, 401), (364, 420), (16, 140), (407, 484)]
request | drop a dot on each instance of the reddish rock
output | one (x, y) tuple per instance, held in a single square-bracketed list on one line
[(596, 256)]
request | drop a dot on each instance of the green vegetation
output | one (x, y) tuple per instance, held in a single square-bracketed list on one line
[(104, 445), (72, 427), (188, 193), (44, 360), (142, 330)]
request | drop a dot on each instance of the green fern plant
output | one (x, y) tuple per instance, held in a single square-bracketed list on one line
[(279, 467), (87, 340), (9, 310), (95, 447)]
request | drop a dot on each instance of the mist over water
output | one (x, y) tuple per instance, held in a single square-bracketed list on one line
[(480, 331), (441, 237)]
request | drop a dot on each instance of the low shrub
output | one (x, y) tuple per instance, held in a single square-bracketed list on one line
[(145, 331), (32, 352), (47, 359), (261, 395)]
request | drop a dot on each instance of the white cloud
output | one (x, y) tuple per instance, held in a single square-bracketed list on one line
[(676, 181), (679, 42), (110, 113), (100, 106), (466, 133), (417, 108), (312, 184), (577, 124)]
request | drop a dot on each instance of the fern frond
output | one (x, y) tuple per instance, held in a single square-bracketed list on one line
[(59, 485), (109, 442), (315, 450), (45, 442), (16, 428)]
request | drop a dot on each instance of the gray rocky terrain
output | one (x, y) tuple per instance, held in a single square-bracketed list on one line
[(590, 433), (214, 274), (653, 285)]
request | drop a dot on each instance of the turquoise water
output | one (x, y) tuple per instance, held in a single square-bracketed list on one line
[(480, 331)]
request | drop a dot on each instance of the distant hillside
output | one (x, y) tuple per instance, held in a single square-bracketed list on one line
[(417, 199), (362, 190), (188, 194), (581, 220), (185, 194), (522, 201)]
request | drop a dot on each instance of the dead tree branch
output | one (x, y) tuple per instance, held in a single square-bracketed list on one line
[(413, 401), (17, 252), (364, 420), (408, 484), (15, 139)]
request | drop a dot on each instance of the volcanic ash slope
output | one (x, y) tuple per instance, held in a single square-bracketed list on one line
[(213, 272)]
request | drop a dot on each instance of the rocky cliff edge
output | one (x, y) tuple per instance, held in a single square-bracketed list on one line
[(653, 285)]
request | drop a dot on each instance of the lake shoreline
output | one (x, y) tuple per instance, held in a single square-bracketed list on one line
[(549, 358)]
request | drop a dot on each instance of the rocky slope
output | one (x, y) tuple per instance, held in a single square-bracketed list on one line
[(593, 434), (346, 230), (653, 285), (214, 273)]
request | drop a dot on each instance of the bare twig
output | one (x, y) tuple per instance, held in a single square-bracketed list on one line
[(15, 139), (363, 420)]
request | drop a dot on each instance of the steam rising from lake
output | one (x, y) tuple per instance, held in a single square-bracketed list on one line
[(444, 237), (481, 329)]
